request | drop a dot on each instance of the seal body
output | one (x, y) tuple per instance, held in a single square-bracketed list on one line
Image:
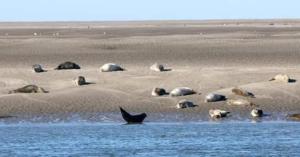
[(295, 117), (240, 102), (158, 92), (241, 92), (79, 81), (29, 89), (216, 113), (214, 97), (37, 68), (67, 66), (182, 91), (109, 67), (184, 104), (157, 67), (281, 78), (257, 112)]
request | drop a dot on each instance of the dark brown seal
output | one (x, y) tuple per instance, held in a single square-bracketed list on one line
[(67, 65)]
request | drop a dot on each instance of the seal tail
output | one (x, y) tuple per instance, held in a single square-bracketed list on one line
[(272, 79), (124, 112)]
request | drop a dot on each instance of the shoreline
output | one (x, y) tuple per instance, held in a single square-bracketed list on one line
[(162, 117)]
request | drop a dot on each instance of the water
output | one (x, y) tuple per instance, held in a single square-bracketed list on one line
[(151, 139)]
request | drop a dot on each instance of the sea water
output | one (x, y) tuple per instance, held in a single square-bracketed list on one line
[(151, 139)]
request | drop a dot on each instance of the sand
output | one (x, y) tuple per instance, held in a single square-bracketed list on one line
[(207, 56)]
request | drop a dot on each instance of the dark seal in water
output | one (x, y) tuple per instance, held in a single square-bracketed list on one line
[(67, 65), (132, 119)]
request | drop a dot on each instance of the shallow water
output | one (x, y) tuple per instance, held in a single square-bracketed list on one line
[(151, 139)]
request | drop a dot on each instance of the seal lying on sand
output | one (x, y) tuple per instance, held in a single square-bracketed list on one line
[(214, 97), (157, 67), (67, 65), (182, 91), (257, 112), (158, 92), (184, 104), (37, 68), (29, 89), (240, 102), (242, 92), (295, 117), (216, 113), (130, 119), (109, 67), (281, 78), (79, 81)]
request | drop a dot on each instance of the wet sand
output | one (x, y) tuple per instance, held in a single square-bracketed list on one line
[(207, 56)]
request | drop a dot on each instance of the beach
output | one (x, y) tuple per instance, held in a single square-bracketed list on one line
[(207, 56)]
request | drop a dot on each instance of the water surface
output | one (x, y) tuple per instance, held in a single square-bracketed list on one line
[(151, 139)]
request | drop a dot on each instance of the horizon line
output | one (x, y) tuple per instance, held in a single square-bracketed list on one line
[(152, 20)]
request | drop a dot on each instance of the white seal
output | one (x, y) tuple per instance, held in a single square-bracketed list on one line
[(157, 67), (281, 78), (109, 67), (216, 113), (257, 112)]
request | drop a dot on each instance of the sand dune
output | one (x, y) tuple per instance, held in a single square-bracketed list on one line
[(205, 56)]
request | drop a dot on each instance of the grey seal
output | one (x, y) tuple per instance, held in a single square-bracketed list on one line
[(158, 92), (29, 89), (182, 91)]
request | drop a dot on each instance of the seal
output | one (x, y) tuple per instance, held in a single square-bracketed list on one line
[(240, 102), (67, 66), (257, 112), (214, 97), (242, 92), (184, 104), (29, 89), (37, 68), (216, 113), (182, 91), (132, 119), (281, 78), (109, 67), (295, 117), (79, 81), (158, 92), (157, 67)]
